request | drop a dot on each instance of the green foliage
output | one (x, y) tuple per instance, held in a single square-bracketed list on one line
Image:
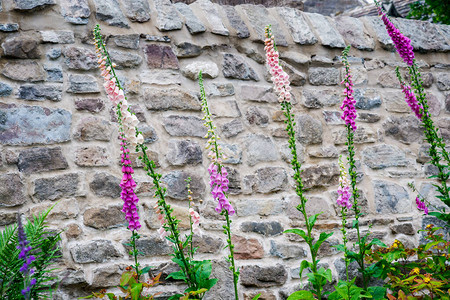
[(436, 11), (44, 243)]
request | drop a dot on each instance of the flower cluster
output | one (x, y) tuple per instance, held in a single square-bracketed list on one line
[(421, 206), (162, 231), (411, 99), (195, 221), (348, 105), (219, 184), (343, 191), (401, 42), (25, 255), (279, 77)]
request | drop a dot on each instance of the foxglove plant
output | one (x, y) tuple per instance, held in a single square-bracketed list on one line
[(219, 180), (25, 254), (282, 87)]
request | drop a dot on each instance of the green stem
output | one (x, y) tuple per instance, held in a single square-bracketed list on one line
[(134, 237), (344, 240), (231, 256)]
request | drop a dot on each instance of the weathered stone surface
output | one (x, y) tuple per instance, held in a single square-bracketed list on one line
[(443, 81), (105, 185), (93, 129), (97, 251), (12, 190), (264, 295), (125, 59), (315, 205), (286, 251), (109, 11), (403, 228), (75, 11), (263, 277), (313, 98), (323, 76), (161, 77), (208, 244), (367, 99), (361, 135), (36, 160), (160, 57), (40, 92), (21, 46), (137, 10), (8, 27), (384, 156), (209, 70), (73, 231), (7, 218), (322, 175), (91, 156), (236, 22), (326, 31), (220, 89), (79, 58), (234, 66), (270, 179), (54, 53), (152, 246), (31, 5), (391, 198), (184, 126), (221, 290), (93, 105), (54, 73), (333, 117), (82, 84), (353, 31), (257, 116), (388, 80), (57, 36), (324, 152), (184, 152), (309, 130), (186, 49), (5, 89), (176, 185), (247, 248), (405, 129), (215, 21), (128, 41), (104, 217), (167, 17), (296, 77), (259, 17), (444, 128), (260, 148), (28, 125), (193, 24), (252, 53), (225, 108), (232, 128), (258, 93), (29, 71), (106, 275), (368, 117), (265, 228), (261, 207), (395, 102), (296, 22), (57, 187)]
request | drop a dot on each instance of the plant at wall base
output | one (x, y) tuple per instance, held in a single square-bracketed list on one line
[(21, 276), (319, 276), (416, 99), (195, 273)]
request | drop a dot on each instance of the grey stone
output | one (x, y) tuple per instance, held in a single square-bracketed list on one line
[(160, 57), (380, 31), (295, 57), (161, 77), (296, 77), (212, 11), (444, 128), (79, 58), (167, 17), (367, 99), (29, 71), (388, 80), (391, 198), (286, 251), (260, 148), (125, 59), (184, 152), (270, 179), (105, 185), (128, 41), (220, 89), (97, 251), (384, 156), (54, 53), (5, 89), (309, 130), (184, 126), (137, 10), (193, 24), (257, 116), (324, 152), (9, 27), (28, 125), (443, 81), (232, 154), (296, 22), (152, 246), (353, 31), (323, 76), (21, 46), (104, 217), (234, 66), (368, 117), (109, 11), (208, 244), (405, 129), (261, 207), (186, 49), (93, 105), (315, 205), (339, 264), (361, 135), (263, 277), (8, 218), (176, 185), (57, 36), (236, 22), (209, 70), (322, 175), (258, 93), (149, 134), (156, 38), (170, 99), (333, 117), (54, 74), (232, 128), (313, 98), (40, 92), (30, 5), (93, 129), (259, 17), (91, 156), (221, 290), (326, 31), (403, 228), (225, 108), (12, 190), (106, 275), (36, 160), (82, 84), (75, 11), (265, 228), (57, 187)]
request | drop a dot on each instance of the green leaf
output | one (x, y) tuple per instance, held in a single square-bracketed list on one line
[(179, 275), (325, 274), (204, 270), (301, 295), (208, 284), (322, 238), (339, 248), (125, 279), (312, 219), (145, 270), (303, 265), (377, 292), (176, 297), (256, 297), (299, 232), (136, 290), (378, 243), (354, 223)]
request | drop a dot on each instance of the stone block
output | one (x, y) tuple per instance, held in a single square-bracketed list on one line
[(57, 36), (272, 228), (270, 179), (295, 20), (405, 129), (184, 152), (176, 185), (323, 76), (193, 24), (160, 57), (286, 251), (97, 251), (170, 99), (236, 22), (263, 277), (184, 126), (75, 11), (56, 187), (36, 160), (322, 175), (391, 198), (260, 148), (110, 12), (80, 58), (104, 217), (309, 130), (354, 32), (31, 5), (21, 46), (5, 89), (215, 21), (235, 67), (167, 17), (93, 105), (93, 129), (384, 156), (29, 71), (40, 92), (247, 248), (12, 190), (82, 84), (232, 128), (105, 185), (92, 156), (137, 10), (327, 33)]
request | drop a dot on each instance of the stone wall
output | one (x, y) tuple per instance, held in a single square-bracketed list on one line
[(58, 133)]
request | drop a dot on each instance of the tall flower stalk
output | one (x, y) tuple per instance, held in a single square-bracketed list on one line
[(282, 87), (218, 180), (25, 254)]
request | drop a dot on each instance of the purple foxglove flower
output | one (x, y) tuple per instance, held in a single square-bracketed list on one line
[(28, 259), (411, 99), (421, 206)]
